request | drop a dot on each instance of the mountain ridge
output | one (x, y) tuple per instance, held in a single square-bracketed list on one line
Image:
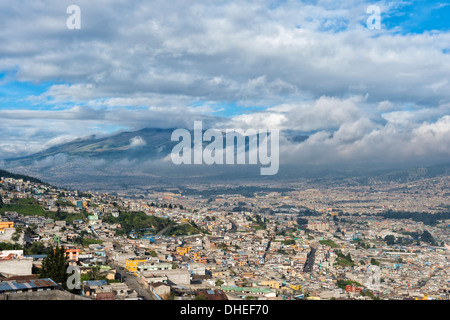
[(142, 157)]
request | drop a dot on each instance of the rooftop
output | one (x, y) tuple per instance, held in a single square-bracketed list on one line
[(6, 286)]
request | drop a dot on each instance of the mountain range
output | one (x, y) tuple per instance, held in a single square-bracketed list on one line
[(144, 144), (141, 159)]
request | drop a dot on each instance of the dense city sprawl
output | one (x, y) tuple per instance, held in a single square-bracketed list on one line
[(302, 241)]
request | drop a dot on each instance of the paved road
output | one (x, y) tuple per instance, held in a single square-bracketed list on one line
[(267, 249), (133, 283), (310, 260), (233, 226), (160, 233)]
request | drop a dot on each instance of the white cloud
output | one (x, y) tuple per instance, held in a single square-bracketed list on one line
[(137, 142), (323, 113), (256, 51), (368, 144), (305, 66)]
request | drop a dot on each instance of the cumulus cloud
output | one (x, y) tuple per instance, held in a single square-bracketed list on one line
[(307, 66), (255, 49), (368, 144), (323, 113)]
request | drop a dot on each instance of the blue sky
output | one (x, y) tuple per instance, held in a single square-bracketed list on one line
[(307, 66), (420, 16), (405, 17)]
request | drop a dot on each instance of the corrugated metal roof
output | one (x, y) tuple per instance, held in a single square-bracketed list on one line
[(96, 282), (36, 256), (26, 284)]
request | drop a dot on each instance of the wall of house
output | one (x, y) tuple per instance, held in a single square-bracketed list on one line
[(19, 267), (43, 295)]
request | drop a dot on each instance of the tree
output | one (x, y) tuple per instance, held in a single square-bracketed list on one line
[(37, 248), (349, 257), (427, 237), (219, 282), (55, 265), (16, 235), (302, 221), (95, 272), (374, 262), (31, 230), (390, 240)]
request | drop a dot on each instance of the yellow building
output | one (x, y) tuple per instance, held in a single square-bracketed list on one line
[(271, 284), (131, 264), (242, 263), (297, 287), (183, 250)]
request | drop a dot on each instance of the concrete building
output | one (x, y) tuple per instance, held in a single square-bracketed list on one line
[(121, 257), (42, 295), (154, 266), (161, 289), (197, 268), (12, 262), (318, 226), (174, 276), (7, 231)]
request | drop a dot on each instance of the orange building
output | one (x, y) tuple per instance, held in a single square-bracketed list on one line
[(7, 224), (248, 274), (352, 288), (334, 214), (72, 253), (198, 257)]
